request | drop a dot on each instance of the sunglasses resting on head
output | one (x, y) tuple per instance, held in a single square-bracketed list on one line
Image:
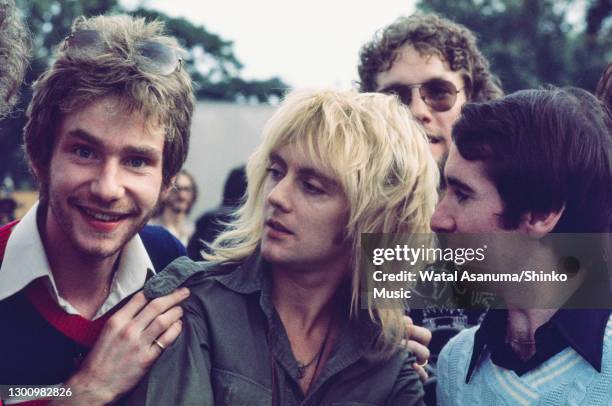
[(152, 56)]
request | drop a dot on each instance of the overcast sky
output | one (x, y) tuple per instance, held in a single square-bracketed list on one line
[(306, 43)]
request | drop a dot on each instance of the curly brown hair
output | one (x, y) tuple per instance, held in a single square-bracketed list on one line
[(430, 34), (14, 54)]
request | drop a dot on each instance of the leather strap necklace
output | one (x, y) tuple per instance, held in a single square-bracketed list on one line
[(302, 367)]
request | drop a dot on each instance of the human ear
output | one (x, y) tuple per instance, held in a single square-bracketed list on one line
[(537, 225), (167, 187)]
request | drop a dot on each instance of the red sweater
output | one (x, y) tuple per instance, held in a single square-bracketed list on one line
[(42, 344)]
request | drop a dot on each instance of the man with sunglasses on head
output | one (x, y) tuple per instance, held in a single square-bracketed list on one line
[(434, 66), (107, 132)]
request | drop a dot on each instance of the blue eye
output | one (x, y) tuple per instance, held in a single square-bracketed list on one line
[(83, 152), (274, 173), (137, 162)]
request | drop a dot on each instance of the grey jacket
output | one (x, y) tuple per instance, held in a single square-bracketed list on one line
[(232, 335)]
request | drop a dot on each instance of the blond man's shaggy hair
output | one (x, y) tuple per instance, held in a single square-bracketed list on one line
[(380, 158), (75, 81)]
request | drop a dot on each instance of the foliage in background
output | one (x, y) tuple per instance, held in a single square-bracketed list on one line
[(213, 65), (534, 42), (211, 62), (529, 43)]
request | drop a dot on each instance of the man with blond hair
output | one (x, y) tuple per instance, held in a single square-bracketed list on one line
[(331, 167), (107, 131)]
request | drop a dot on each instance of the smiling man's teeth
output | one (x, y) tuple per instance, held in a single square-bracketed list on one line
[(101, 216)]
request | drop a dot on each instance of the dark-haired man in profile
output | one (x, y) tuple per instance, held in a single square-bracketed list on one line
[(526, 168)]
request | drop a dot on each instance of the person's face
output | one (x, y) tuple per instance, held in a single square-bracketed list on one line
[(471, 212), (104, 179), (411, 68), (471, 203), (181, 196), (305, 212)]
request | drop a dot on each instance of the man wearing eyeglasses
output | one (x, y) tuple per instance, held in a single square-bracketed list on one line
[(107, 132), (434, 66), (173, 211)]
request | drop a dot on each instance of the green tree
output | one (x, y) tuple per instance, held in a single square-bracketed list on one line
[(534, 42), (213, 65), (211, 62)]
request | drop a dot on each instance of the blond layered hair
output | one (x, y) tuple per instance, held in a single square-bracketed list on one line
[(380, 157), (74, 82)]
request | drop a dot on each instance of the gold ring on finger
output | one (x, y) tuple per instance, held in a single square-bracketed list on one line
[(160, 345)]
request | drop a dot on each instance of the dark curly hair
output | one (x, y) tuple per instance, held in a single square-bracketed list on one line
[(429, 34), (14, 54)]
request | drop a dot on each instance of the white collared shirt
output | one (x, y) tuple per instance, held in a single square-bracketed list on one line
[(25, 260)]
